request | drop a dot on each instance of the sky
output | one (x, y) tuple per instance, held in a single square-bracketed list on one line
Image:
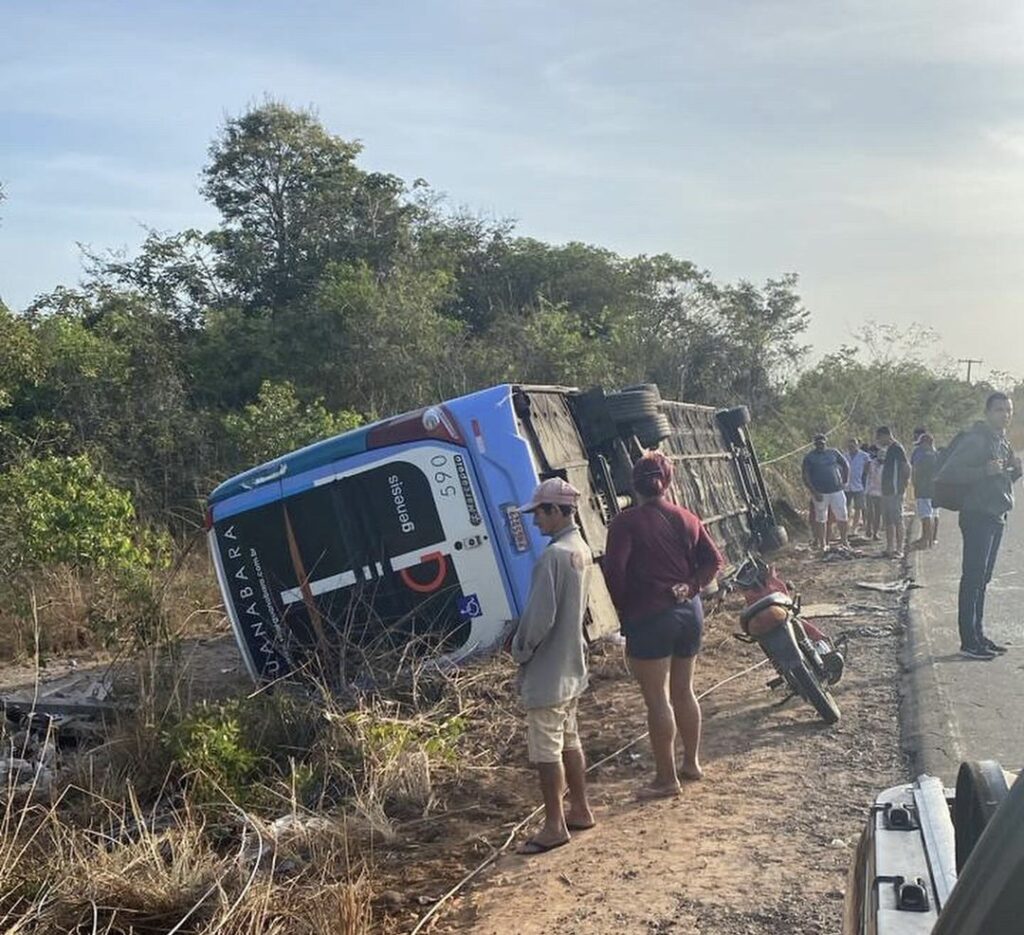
[(874, 148)]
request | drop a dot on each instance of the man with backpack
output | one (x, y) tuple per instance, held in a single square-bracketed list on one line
[(976, 477)]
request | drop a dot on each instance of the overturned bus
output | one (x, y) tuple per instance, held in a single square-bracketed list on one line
[(405, 535)]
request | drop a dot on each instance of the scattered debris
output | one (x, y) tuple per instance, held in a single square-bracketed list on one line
[(44, 718), (839, 553), (875, 632), (826, 610), (890, 587), (299, 824), (819, 611), (75, 695)]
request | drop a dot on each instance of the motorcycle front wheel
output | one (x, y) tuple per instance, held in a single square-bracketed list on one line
[(811, 690)]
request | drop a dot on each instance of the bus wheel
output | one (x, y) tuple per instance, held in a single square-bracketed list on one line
[(731, 420), (652, 430), (631, 405)]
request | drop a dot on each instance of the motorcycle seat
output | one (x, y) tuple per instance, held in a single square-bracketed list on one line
[(775, 599)]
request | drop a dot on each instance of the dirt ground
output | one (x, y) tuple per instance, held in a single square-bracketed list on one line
[(761, 845), (764, 842)]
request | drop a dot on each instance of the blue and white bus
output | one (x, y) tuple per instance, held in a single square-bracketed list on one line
[(407, 531)]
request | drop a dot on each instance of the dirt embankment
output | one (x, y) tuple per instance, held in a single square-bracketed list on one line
[(764, 842)]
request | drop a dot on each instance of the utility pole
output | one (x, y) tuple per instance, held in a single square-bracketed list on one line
[(969, 361)]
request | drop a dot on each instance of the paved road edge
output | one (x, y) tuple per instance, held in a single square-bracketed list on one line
[(928, 734)]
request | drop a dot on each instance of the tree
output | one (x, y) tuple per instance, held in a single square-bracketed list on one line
[(177, 273), (762, 328), (111, 383), (278, 422), (551, 344), (61, 510), (377, 347), (857, 389), (293, 201)]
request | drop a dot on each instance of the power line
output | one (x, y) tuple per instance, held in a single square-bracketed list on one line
[(969, 361)]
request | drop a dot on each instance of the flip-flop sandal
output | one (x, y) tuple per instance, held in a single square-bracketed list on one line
[(576, 826), (649, 794), (533, 846)]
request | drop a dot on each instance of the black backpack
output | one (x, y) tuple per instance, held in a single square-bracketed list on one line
[(948, 495)]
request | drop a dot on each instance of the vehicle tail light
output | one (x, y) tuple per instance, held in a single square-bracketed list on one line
[(431, 422)]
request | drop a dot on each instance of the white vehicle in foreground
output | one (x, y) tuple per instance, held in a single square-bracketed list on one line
[(936, 861)]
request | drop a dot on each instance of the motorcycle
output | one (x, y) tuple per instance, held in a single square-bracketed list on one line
[(806, 661)]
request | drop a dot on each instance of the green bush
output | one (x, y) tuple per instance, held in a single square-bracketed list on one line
[(61, 511), (210, 745)]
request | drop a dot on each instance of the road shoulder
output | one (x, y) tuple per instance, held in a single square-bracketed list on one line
[(765, 841), (929, 733)]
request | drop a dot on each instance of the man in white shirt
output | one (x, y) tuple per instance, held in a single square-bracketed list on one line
[(858, 459), (549, 646)]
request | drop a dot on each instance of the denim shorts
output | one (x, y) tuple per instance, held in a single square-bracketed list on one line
[(673, 632)]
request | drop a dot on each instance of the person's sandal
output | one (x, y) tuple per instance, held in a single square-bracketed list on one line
[(533, 846)]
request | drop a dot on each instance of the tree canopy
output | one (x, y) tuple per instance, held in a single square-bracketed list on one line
[(329, 293)]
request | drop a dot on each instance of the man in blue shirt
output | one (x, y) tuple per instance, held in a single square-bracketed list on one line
[(825, 474)]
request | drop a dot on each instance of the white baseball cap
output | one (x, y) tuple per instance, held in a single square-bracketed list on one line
[(554, 490)]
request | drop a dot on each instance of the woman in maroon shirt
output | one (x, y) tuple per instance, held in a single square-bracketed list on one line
[(658, 559)]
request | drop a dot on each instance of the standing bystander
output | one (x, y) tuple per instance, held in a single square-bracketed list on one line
[(825, 474), (895, 478), (658, 559), (873, 493), (549, 647), (923, 463), (858, 460), (982, 466), (916, 453)]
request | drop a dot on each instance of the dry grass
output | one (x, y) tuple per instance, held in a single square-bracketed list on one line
[(267, 813), (60, 609), (127, 876), (140, 840)]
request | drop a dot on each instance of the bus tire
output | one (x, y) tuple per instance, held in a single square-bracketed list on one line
[(643, 387), (631, 406), (652, 430), (729, 420)]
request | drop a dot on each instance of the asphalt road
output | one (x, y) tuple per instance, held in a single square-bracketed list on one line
[(954, 708)]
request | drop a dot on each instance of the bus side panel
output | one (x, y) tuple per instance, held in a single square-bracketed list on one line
[(512, 451), (508, 474), (554, 431)]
